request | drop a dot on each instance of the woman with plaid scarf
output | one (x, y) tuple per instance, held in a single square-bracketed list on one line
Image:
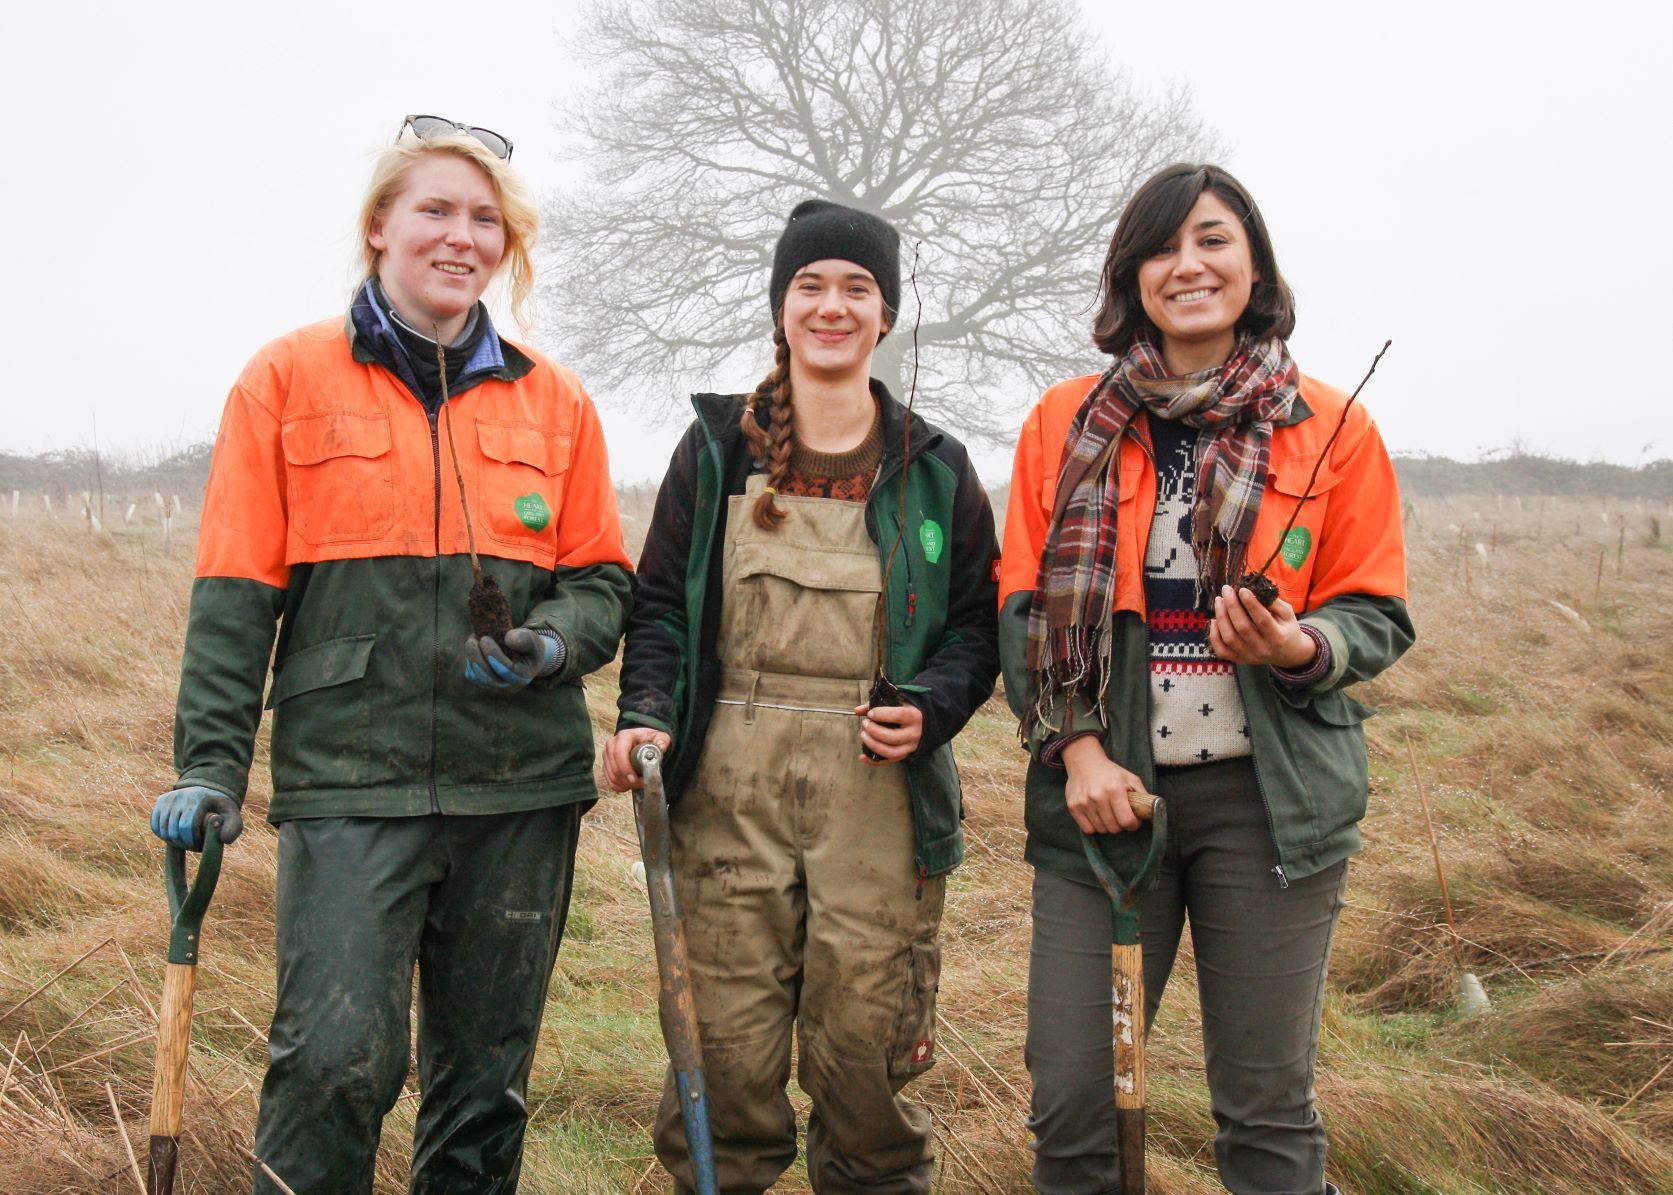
[(1139, 660)]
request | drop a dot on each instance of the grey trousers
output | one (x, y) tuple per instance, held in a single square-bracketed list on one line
[(1261, 954), (479, 904)]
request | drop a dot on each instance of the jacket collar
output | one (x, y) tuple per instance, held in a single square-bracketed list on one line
[(372, 342), (1299, 412)]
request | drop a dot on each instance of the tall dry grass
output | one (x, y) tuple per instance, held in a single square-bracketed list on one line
[(1545, 739)]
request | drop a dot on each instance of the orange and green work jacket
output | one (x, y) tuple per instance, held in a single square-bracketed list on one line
[(1343, 569), (333, 514)]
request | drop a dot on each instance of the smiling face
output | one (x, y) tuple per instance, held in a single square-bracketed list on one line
[(833, 319), (440, 241), (1195, 286)]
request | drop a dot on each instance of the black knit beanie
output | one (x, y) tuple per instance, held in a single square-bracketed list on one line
[(819, 229)]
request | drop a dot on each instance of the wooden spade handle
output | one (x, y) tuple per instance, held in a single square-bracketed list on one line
[(1127, 970), (1144, 804), (168, 1090)]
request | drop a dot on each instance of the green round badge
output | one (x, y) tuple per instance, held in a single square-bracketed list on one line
[(932, 538), (1296, 545), (533, 512)]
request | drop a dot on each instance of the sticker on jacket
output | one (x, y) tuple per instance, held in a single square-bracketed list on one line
[(933, 539), (1298, 541), (921, 1052), (533, 512)]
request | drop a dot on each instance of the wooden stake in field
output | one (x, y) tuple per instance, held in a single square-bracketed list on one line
[(1472, 997)]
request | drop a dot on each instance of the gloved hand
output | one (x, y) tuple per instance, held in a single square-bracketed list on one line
[(178, 816), (526, 656)]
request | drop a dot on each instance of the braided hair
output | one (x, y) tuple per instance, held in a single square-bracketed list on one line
[(772, 444)]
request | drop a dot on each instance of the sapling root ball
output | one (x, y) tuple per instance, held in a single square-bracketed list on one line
[(883, 693), (1261, 586), (490, 611)]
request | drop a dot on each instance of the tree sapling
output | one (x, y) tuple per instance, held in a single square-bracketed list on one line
[(489, 608), (1257, 582)]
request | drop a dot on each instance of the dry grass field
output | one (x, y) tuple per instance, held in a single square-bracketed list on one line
[(1539, 704)]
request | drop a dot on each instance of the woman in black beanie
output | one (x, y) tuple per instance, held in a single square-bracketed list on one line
[(812, 833)]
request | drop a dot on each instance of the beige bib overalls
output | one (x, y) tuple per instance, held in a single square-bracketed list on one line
[(793, 860)]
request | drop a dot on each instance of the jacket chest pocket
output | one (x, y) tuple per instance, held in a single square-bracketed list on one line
[(339, 476), (520, 480), (1298, 545)]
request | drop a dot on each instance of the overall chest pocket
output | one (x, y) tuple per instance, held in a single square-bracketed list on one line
[(339, 476), (802, 603), (1298, 547), (520, 480)]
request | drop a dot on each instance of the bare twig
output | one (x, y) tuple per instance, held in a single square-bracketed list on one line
[(966, 1159), (127, 1145), (1651, 1083), (995, 1071), (268, 1171), (59, 974), (453, 451), (1307, 490)]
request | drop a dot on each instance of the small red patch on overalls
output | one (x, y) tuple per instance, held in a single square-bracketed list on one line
[(996, 570), (922, 1052)]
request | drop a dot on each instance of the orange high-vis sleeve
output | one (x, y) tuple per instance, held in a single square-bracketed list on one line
[(243, 527), (1027, 517)]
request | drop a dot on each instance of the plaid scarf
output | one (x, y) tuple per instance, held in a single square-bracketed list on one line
[(1069, 623)]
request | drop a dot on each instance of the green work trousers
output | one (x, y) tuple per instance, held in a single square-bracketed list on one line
[(478, 903)]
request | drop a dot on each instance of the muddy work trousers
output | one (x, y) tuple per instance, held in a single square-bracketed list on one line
[(478, 903), (793, 861), (1261, 954)]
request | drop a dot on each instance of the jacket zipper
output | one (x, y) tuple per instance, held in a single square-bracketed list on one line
[(919, 867), (435, 616)]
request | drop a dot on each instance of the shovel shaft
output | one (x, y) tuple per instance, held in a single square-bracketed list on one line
[(1127, 993), (168, 1087), (187, 904), (675, 1004)]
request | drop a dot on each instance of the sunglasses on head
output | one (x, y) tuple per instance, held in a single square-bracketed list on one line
[(426, 127)]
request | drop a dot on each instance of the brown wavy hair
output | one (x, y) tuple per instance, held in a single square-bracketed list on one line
[(1154, 214), (772, 443)]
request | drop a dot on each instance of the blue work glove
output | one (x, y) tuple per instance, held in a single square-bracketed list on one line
[(527, 654), (177, 817)]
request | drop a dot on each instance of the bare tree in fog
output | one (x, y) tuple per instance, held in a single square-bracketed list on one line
[(996, 132)]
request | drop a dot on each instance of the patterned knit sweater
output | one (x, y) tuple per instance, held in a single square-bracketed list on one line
[(1196, 710)]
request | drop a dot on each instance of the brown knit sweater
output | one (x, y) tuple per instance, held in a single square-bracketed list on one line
[(843, 475)]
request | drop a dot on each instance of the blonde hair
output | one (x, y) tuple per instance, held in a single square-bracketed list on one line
[(517, 205)]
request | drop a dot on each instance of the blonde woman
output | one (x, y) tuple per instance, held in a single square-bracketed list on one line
[(427, 785)]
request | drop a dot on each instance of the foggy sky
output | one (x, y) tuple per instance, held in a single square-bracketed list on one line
[(1486, 184)]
